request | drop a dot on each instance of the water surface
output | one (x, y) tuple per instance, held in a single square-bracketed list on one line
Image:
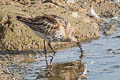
[(100, 63)]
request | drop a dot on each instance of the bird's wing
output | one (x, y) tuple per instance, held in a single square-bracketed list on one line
[(42, 24)]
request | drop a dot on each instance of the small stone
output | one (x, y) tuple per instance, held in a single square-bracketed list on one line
[(110, 49), (70, 1)]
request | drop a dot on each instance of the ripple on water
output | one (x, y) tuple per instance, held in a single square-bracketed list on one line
[(102, 65)]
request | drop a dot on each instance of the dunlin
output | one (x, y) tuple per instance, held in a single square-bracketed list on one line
[(52, 28)]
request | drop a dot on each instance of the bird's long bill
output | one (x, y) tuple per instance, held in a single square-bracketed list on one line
[(80, 46)]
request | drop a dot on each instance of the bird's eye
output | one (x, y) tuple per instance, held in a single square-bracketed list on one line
[(76, 36)]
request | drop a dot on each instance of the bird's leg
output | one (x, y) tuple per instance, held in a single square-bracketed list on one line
[(45, 51), (81, 50), (51, 60), (49, 44)]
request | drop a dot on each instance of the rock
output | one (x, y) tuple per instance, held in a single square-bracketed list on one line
[(110, 30), (103, 8), (110, 25), (6, 75), (117, 36), (110, 49), (117, 51), (14, 36), (70, 1), (75, 14), (93, 13)]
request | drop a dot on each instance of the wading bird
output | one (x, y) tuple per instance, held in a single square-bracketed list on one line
[(52, 28)]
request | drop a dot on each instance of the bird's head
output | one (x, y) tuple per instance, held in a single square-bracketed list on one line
[(73, 35)]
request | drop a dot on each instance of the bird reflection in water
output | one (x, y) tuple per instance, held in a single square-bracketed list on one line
[(63, 71)]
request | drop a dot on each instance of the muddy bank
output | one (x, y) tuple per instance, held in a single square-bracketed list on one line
[(16, 36), (109, 25), (5, 75), (14, 67), (104, 8)]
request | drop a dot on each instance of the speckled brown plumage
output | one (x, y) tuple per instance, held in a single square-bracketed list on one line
[(51, 28), (47, 25)]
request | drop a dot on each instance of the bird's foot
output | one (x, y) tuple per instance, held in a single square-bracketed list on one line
[(82, 54), (54, 53), (38, 54)]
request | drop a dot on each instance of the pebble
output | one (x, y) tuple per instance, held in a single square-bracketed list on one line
[(70, 1), (117, 51)]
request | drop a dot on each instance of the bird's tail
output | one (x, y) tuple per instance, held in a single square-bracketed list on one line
[(26, 21), (19, 18)]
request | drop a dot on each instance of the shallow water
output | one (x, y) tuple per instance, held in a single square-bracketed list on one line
[(100, 63), (106, 65)]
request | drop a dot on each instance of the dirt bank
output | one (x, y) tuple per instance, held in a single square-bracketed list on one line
[(16, 36)]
